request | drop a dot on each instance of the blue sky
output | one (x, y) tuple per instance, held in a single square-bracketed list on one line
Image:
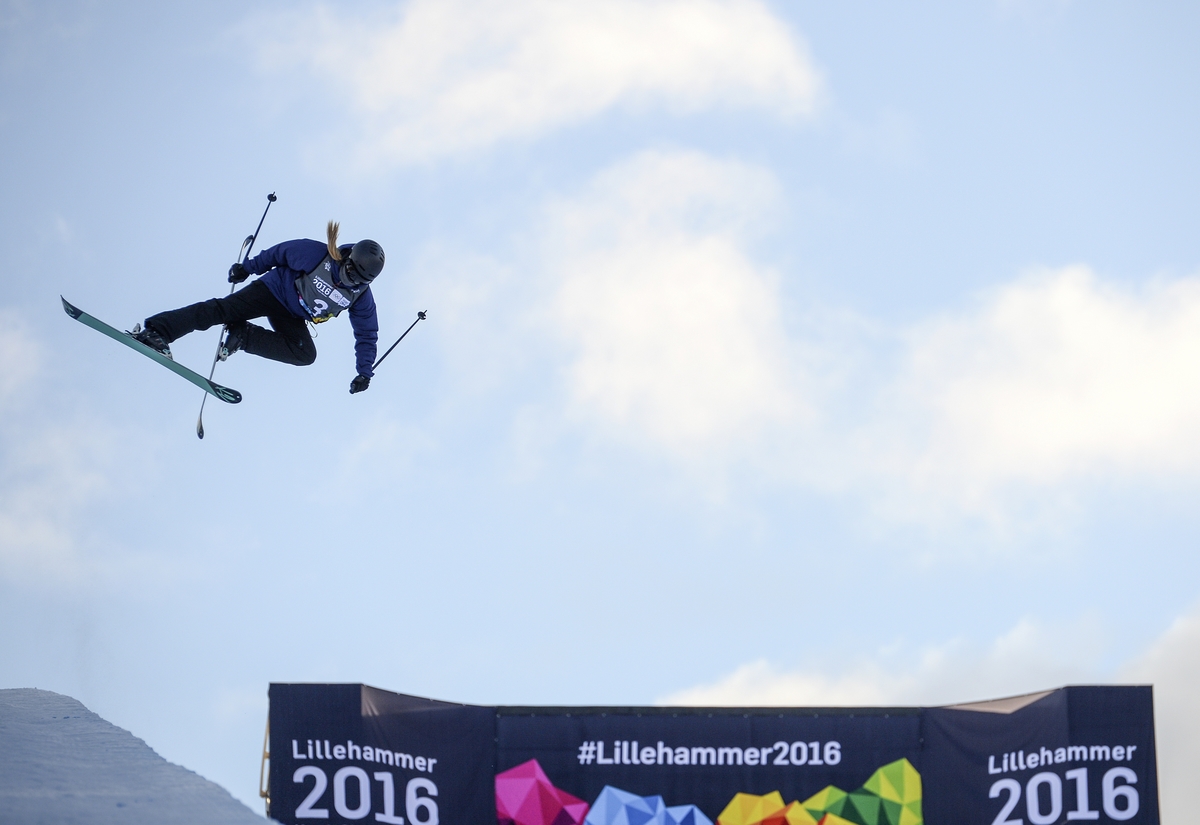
[(776, 352)]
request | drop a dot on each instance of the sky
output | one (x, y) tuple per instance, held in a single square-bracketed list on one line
[(776, 352)]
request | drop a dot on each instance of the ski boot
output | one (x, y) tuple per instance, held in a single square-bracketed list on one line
[(234, 341), (151, 338)]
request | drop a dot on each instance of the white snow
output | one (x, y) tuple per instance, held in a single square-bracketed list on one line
[(62, 764)]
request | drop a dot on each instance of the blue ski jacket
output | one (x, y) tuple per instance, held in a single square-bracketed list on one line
[(282, 264)]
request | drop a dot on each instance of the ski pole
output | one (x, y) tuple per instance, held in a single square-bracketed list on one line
[(420, 317), (270, 200), (243, 254)]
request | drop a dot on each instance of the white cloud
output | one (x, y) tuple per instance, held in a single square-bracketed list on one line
[(1029, 657), (675, 332), (53, 469), (20, 358), (1055, 378), (30, 496), (429, 78), (761, 684), (677, 344), (1172, 665), (58, 476)]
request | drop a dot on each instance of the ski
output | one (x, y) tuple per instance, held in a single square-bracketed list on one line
[(226, 394)]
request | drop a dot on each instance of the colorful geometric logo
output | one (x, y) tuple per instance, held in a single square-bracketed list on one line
[(525, 796), (749, 809), (616, 807), (892, 796)]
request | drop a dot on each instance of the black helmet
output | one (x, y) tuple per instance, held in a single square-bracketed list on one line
[(364, 263)]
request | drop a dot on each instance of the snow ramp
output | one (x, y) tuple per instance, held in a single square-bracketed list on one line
[(61, 764)]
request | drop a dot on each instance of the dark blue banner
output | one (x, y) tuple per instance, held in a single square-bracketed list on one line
[(703, 757), (350, 753), (1080, 754)]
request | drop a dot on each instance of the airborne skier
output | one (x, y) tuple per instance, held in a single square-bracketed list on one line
[(301, 281)]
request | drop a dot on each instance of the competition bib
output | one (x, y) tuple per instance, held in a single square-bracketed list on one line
[(319, 297)]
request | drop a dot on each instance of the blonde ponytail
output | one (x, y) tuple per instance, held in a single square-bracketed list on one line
[(331, 232)]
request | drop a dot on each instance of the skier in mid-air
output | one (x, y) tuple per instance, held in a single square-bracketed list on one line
[(301, 281)]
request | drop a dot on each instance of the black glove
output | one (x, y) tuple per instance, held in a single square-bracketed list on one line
[(360, 383), (238, 273)]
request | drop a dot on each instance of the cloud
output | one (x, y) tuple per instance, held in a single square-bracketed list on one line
[(50, 473), (1172, 665), (657, 323), (20, 358), (1044, 384), (45, 471), (677, 343), (430, 78), (1052, 379), (59, 477), (55, 468), (675, 333), (1031, 656)]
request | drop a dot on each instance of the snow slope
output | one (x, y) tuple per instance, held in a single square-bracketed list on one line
[(62, 764)]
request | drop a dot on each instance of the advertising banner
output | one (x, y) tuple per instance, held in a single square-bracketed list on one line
[(702, 759), (1080, 754), (351, 753)]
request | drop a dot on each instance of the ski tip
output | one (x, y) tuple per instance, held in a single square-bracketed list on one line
[(229, 396), (70, 310)]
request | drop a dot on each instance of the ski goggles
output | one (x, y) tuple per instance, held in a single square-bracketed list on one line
[(350, 273)]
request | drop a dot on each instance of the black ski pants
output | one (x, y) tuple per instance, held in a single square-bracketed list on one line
[(288, 340)]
